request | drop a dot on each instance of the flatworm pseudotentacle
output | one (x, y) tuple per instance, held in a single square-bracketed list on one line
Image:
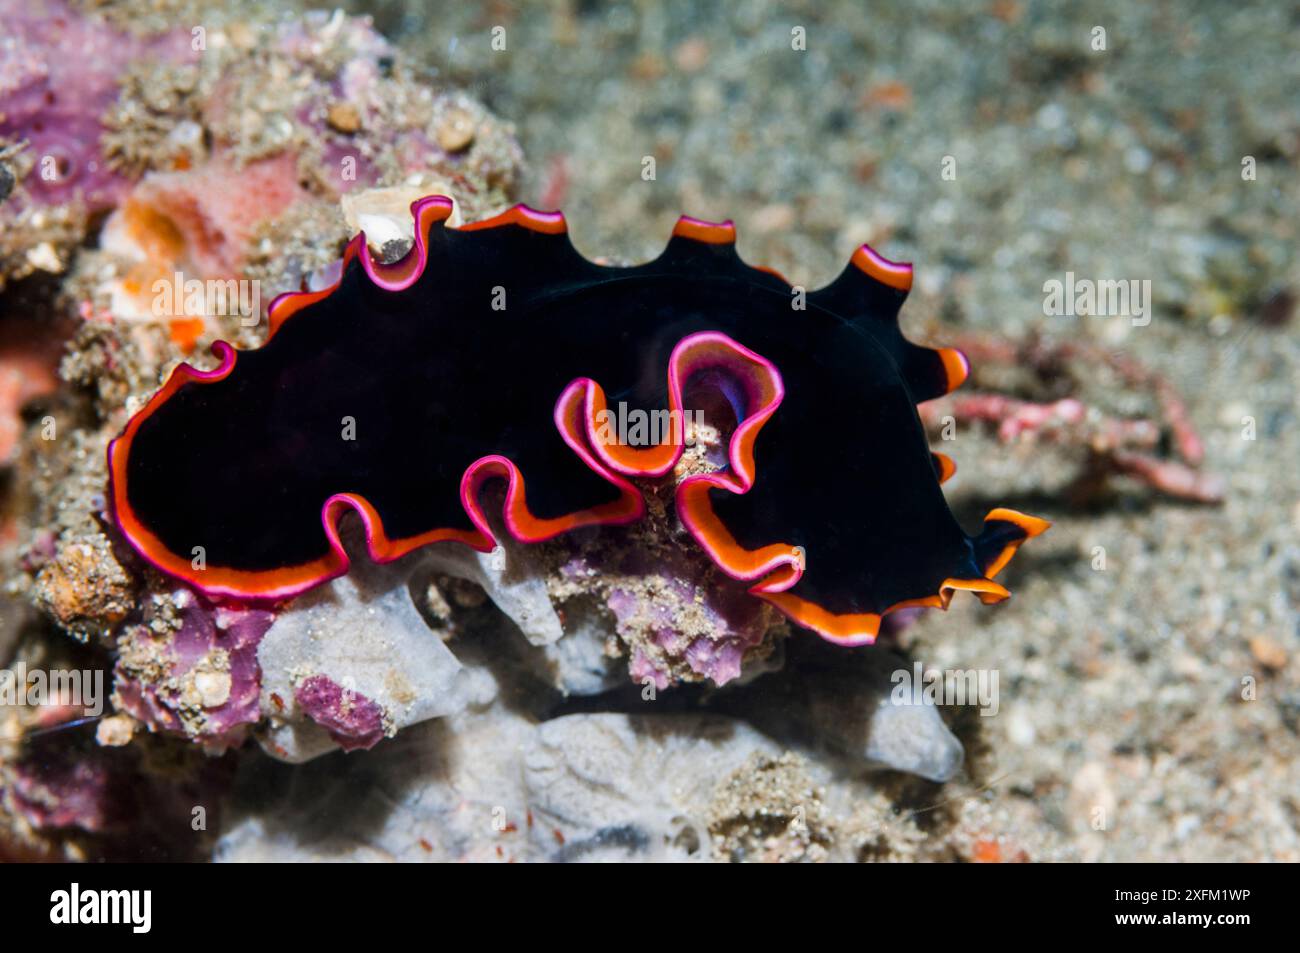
[(831, 504)]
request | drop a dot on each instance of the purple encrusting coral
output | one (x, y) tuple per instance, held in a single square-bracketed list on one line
[(668, 615), (200, 679), (62, 784), (62, 790), (352, 720), (59, 72)]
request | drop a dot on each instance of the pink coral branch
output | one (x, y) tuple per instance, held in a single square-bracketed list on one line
[(1116, 445)]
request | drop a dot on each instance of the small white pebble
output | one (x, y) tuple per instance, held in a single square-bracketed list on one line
[(1020, 729), (213, 688), (115, 731)]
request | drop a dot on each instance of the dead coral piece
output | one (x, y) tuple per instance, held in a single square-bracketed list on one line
[(873, 834), (768, 810), (1169, 476), (155, 122), (1114, 445), (84, 588)]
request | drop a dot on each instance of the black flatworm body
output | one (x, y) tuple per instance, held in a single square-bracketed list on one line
[(495, 350)]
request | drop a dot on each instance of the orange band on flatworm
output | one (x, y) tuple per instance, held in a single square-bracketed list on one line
[(1031, 525), (288, 581), (524, 525), (740, 563), (216, 580), (639, 461), (711, 233), (945, 466), (955, 366), (895, 274), (861, 628), (547, 223)]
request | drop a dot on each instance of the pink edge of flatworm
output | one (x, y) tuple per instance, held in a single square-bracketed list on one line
[(895, 274), (772, 558), (691, 355)]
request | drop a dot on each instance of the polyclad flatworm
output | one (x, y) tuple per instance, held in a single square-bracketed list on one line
[(494, 350)]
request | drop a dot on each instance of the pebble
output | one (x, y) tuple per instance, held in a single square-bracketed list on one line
[(1268, 652), (343, 117), (456, 131), (115, 731), (1020, 729), (777, 217), (44, 257), (691, 55), (213, 688)]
